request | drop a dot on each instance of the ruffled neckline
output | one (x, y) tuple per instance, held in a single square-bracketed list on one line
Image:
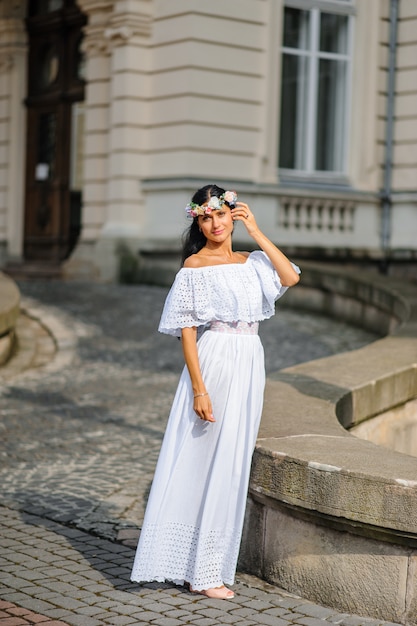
[(242, 292)]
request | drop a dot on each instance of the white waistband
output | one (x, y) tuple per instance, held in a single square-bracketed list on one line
[(235, 328)]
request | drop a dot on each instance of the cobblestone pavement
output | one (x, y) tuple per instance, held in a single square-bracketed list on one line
[(80, 436)]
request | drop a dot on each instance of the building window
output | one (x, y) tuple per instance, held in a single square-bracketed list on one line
[(316, 56)]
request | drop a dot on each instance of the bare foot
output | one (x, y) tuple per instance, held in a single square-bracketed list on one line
[(219, 593)]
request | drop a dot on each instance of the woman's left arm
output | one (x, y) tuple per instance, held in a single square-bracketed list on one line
[(286, 272)]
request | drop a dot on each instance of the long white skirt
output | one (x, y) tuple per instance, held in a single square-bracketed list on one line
[(194, 516)]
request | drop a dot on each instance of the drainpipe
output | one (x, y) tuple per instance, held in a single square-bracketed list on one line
[(386, 200)]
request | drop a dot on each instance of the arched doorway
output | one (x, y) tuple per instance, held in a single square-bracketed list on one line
[(55, 118)]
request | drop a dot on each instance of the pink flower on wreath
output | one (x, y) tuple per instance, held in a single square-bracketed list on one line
[(230, 197), (214, 203), (190, 209)]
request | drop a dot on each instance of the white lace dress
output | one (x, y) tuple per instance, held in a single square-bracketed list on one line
[(194, 516)]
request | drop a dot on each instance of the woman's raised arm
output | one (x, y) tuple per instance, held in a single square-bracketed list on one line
[(282, 264)]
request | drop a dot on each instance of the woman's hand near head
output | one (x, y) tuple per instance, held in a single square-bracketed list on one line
[(286, 272), (242, 213)]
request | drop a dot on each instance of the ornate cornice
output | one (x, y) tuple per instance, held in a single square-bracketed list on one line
[(101, 35), (95, 43), (13, 40), (124, 26), (98, 13)]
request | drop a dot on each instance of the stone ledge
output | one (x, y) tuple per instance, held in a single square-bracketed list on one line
[(46, 341), (9, 304), (6, 347), (308, 467), (34, 348), (9, 313)]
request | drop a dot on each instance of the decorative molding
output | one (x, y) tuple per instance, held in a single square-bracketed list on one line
[(13, 41), (95, 42), (99, 15), (100, 38), (127, 25)]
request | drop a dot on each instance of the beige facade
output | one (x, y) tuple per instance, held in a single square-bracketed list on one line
[(184, 92)]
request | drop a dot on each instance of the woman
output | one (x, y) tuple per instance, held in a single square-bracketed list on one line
[(194, 517)]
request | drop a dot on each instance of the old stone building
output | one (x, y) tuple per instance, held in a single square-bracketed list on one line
[(113, 112)]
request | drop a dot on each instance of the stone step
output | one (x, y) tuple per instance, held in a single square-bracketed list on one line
[(32, 270)]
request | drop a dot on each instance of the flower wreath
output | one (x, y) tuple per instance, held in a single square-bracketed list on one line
[(214, 204)]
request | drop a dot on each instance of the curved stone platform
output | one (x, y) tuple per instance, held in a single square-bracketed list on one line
[(9, 313), (330, 516)]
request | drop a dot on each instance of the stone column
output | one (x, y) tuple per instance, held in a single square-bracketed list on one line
[(82, 262), (13, 80), (116, 40), (128, 39)]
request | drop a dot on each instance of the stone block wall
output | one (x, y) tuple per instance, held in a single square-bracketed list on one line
[(332, 517)]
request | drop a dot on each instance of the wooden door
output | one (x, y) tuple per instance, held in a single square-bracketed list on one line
[(54, 141)]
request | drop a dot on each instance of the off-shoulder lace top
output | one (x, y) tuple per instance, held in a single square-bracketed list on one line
[(231, 292)]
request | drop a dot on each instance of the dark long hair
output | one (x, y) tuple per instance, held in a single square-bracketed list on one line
[(193, 240)]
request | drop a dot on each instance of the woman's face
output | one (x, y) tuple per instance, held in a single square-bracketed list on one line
[(217, 225)]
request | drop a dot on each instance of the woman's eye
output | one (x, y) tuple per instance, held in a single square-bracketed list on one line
[(221, 213)]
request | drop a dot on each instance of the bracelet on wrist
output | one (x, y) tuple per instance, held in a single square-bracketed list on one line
[(199, 395)]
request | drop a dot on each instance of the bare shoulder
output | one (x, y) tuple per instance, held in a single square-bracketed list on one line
[(194, 261), (244, 254)]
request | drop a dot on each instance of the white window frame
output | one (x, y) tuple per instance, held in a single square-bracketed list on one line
[(343, 7)]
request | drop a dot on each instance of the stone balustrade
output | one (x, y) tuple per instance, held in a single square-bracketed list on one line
[(330, 516)]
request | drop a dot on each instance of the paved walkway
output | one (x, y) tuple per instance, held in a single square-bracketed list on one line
[(80, 434)]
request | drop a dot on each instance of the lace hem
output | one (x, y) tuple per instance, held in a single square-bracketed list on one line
[(181, 553)]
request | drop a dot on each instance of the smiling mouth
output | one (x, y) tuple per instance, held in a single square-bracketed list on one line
[(217, 232)]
